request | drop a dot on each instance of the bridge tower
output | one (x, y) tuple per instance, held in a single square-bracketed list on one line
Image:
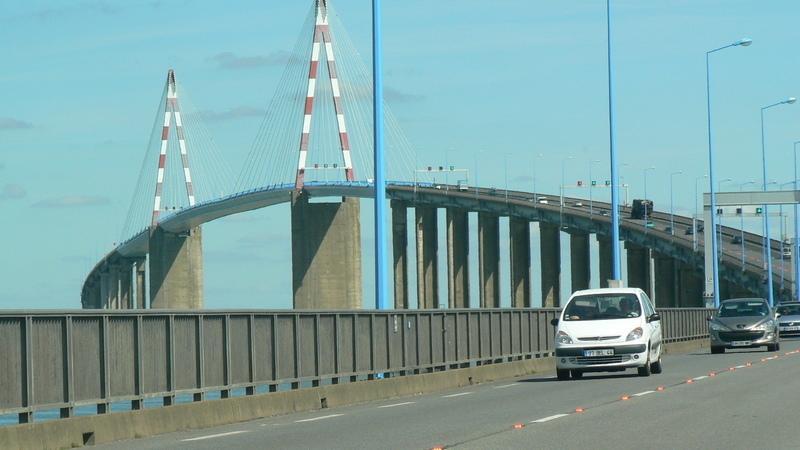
[(176, 259), (326, 237)]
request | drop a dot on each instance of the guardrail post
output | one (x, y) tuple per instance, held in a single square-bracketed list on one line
[(69, 379), (201, 361), (274, 337), (226, 347), (170, 399), (139, 402), (297, 367), (104, 406), (27, 416), (315, 381), (371, 374), (336, 350), (251, 354)]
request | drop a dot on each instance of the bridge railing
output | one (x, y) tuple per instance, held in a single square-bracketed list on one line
[(62, 360)]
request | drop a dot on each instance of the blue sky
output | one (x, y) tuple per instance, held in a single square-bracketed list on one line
[(81, 81)]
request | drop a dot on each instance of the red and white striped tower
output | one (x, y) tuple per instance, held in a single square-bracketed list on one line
[(322, 35), (171, 108)]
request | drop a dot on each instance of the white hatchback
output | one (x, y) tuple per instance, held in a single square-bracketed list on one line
[(604, 330)]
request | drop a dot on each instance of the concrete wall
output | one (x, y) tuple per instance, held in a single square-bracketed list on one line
[(520, 254), (639, 267), (604, 254), (176, 269), (426, 224), (550, 244), (457, 258), (489, 260), (400, 253), (580, 260), (690, 286), (326, 254), (666, 283)]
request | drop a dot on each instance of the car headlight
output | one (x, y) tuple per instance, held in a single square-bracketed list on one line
[(635, 334), (765, 326), (563, 338), (718, 327)]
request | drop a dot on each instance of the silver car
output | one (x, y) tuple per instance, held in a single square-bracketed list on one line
[(789, 318), (744, 323)]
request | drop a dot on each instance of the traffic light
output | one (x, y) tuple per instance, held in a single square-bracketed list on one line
[(608, 182), (759, 210), (452, 168), (594, 182)]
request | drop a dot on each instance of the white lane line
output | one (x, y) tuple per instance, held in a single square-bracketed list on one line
[(212, 436), (318, 418), (456, 395), (549, 418), (396, 404), (640, 394), (703, 377), (505, 386)]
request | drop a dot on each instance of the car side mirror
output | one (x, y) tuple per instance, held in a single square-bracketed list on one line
[(654, 317), (554, 322), (709, 318)]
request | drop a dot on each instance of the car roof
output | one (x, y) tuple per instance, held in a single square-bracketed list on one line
[(745, 299), (627, 290)]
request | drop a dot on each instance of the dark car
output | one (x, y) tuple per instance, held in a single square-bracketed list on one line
[(789, 318), (689, 231), (744, 323)]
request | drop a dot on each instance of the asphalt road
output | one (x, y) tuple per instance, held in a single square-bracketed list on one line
[(748, 403)]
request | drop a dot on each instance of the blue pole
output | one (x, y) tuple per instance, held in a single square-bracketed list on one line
[(616, 267), (796, 253), (381, 297), (767, 242)]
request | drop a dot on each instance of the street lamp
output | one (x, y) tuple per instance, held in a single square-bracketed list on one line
[(645, 194), (505, 173), (671, 208), (696, 212), (539, 156), (591, 184), (718, 230), (767, 241), (715, 260), (616, 266), (796, 252), (741, 221), (561, 212), (783, 230)]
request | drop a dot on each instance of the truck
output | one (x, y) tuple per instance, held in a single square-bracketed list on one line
[(641, 208)]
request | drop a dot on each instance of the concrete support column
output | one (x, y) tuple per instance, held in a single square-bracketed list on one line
[(579, 261), (638, 267), (426, 218), (125, 285), (519, 231), (604, 251), (105, 284), (326, 253), (666, 295), (457, 258), (140, 284), (400, 253), (176, 269), (690, 286), (550, 244), (114, 272), (489, 260), (90, 297)]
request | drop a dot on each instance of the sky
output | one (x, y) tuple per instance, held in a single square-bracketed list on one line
[(487, 84)]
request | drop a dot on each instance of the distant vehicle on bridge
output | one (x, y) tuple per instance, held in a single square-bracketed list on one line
[(641, 208), (744, 323), (608, 330)]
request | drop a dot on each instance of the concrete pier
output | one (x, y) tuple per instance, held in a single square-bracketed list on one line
[(426, 226), (638, 267), (176, 269), (489, 260), (125, 285), (550, 244), (326, 253), (666, 289), (400, 253), (519, 231), (690, 286), (580, 260), (604, 250), (457, 258), (140, 272)]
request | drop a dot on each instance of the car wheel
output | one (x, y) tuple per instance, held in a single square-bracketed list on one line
[(577, 374), (717, 350), (773, 347), (644, 371), (656, 367), (562, 374)]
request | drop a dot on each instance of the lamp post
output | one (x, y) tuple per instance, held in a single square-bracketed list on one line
[(696, 212), (561, 210), (645, 195), (783, 231), (741, 221), (616, 266), (715, 260), (718, 230), (591, 184), (539, 156), (671, 207), (796, 250), (505, 173), (767, 241), (381, 270)]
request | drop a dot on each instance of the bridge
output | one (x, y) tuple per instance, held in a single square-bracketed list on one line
[(143, 351)]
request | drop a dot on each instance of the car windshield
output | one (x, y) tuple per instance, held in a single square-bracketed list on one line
[(744, 309), (789, 310), (602, 307)]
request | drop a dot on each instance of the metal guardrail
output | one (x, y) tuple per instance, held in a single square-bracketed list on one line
[(60, 360)]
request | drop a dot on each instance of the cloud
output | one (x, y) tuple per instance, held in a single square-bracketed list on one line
[(237, 112), (393, 95), (229, 60), (8, 123), (70, 201), (12, 192)]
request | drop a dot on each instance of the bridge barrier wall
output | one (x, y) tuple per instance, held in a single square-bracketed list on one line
[(66, 359)]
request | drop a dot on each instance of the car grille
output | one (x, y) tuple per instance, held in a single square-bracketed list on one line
[(598, 338), (740, 335), (790, 324), (595, 360)]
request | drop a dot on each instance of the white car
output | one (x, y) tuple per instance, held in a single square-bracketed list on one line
[(606, 330)]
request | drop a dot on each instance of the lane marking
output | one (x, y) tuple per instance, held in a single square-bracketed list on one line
[(505, 386), (702, 377), (456, 395), (640, 394), (549, 418), (318, 418), (741, 367), (212, 436), (396, 404)]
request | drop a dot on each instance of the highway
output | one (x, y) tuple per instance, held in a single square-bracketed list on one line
[(742, 405)]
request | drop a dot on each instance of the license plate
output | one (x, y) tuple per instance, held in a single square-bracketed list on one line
[(790, 328), (599, 352), (740, 343)]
